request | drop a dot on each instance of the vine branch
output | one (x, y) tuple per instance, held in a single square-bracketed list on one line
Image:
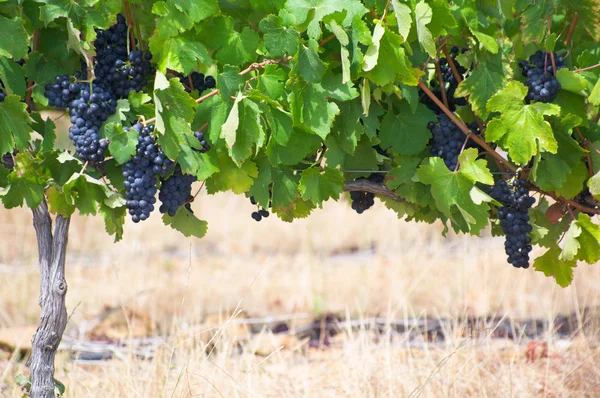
[(571, 28), (372, 187), (438, 70)]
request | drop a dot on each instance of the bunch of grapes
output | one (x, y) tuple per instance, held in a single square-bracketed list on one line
[(542, 83), (260, 213), (450, 84), (200, 137), (61, 92), (198, 81), (175, 191), (514, 219), (141, 173), (448, 140), (125, 76), (362, 201), (90, 108)]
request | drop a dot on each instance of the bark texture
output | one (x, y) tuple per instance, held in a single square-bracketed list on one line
[(53, 287)]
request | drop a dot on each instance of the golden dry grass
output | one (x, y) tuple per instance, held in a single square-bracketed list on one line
[(334, 261)]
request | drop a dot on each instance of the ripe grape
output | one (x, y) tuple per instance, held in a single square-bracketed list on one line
[(200, 137), (362, 201), (61, 92), (141, 174), (199, 81), (541, 82), (450, 84), (175, 191), (448, 139), (261, 212), (514, 219)]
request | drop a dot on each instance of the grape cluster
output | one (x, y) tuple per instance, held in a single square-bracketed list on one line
[(541, 82), (200, 137), (199, 81), (140, 174), (90, 108), (260, 213), (175, 191), (117, 69), (2, 96), (448, 139), (514, 219), (362, 201), (61, 92), (450, 84)]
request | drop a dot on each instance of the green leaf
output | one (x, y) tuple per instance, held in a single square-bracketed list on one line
[(280, 123), (521, 128), (484, 81), (114, 219), (406, 133), (287, 203), (372, 53), (337, 89), (570, 243), (319, 185), (300, 144), (13, 77), (595, 94), (589, 239), (233, 47), (59, 202), (14, 124), (310, 109), (393, 64), (551, 265), (488, 42), (22, 188), (423, 15), (231, 177), (122, 143), (180, 53), (452, 191), (310, 66), (230, 81), (533, 19), (197, 10), (14, 41), (403, 19), (270, 82), (313, 12), (571, 81), (86, 191), (186, 223), (279, 40), (243, 130), (45, 128)]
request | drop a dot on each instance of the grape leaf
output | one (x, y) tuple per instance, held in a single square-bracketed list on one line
[(180, 53), (186, 223), (393, 64), (14, 124), (300, 144), (403, 19), (312, 12), (243, 130), (231, 177), (551, 265), (406, 133), (452, 190), (114, 219), (12, 77), (319, 185), (59, 202), (589, 239), (532, 26), (197, 10), (46, 128), (14, 41), (484, 81), (570, 245), (310, 109), (270, 82), (122, 143), (280, 123), (25, 187), (86, 191), (287, 203), (310, 66), (279, 40), (571, 81), (521, 128), (372, 53), (423, 15), (173, 20)]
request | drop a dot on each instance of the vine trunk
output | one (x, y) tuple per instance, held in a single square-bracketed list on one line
[(52, 248)]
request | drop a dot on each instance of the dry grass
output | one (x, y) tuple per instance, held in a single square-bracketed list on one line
[(334, 261)]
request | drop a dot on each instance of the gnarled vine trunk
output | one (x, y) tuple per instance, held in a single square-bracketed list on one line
[(52, 249)]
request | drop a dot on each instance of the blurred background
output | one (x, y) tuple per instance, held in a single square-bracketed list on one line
[(335, 305)]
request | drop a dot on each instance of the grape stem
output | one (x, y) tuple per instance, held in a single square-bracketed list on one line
[(585, 143), (551, 52), (438, 70), (372, 187), (571, 28), (131, 36), (464, 145), (249, 69), (36, 40), (586, 68), (326, 40)]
